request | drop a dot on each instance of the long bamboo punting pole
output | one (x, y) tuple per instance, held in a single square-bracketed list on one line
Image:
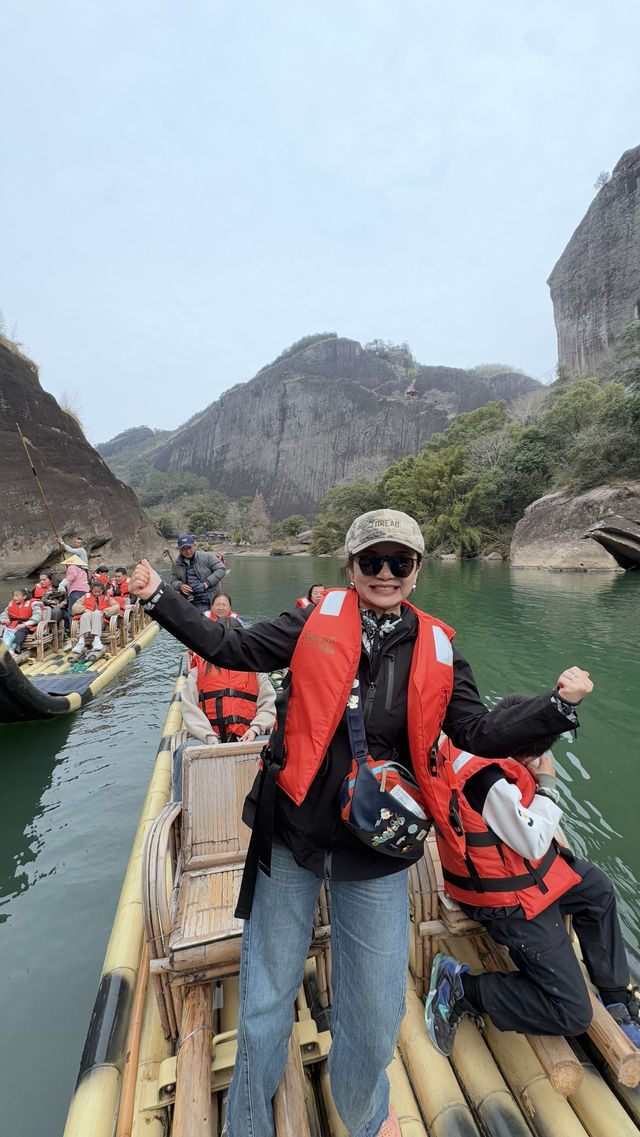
[(33, 471)]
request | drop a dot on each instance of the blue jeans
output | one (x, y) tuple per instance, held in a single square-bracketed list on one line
[(369, 959)]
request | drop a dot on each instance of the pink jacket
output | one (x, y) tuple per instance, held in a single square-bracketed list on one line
[(78, 579)]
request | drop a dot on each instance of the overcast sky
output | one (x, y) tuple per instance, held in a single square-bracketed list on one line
[(189, 188)]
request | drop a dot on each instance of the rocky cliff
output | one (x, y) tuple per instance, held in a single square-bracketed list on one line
[(84, 497), (326, 415), (553, 532), (595, 286)]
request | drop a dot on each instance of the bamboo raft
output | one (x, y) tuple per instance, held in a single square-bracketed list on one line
[(159, 1053), (51, 684)]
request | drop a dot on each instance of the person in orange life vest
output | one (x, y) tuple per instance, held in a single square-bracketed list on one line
[(415, 683), (248, 710), (45, 583), (508, 872), (21, 615), (94, 610), (119, 583), (101, 573), (221, 609), (315, 593), (56, 602)]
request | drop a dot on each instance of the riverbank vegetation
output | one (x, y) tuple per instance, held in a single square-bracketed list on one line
[(471, 483), (467, 488)]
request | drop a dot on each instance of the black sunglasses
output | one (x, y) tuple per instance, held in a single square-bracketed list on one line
[(399, 565)]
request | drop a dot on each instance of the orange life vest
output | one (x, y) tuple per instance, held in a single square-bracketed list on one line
[(39, 591), (123, 588), (323, 667), (89, 602), (228, 698), (478, 868), (303, 602), (17, 613)]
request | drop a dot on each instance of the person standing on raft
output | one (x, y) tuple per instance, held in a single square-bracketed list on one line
[(415, 684)]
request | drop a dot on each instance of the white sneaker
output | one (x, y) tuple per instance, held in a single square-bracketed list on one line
[(79, 648), (68, 646), (97, 644)]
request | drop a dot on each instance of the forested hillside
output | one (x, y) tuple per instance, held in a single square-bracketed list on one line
[(472, 482)]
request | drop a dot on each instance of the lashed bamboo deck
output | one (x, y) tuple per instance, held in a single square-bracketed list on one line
[(142, 1082)]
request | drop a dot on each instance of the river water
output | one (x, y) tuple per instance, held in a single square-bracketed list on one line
[(72, 789)]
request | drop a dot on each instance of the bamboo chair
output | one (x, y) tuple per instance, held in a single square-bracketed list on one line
[(192, 869), (44, 635)]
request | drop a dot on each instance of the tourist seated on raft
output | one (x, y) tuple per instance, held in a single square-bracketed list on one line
[(196, 574), (101, 573), (94, 610), (21, 616), (75, 549), (118, 585), (221, 608), (315, 593), (219, 705), (46, 590), (508, 871)]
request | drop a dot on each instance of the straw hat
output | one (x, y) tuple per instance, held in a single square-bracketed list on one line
[(74, 560)]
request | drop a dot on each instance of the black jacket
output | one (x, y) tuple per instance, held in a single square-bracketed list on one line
[(314, 830)]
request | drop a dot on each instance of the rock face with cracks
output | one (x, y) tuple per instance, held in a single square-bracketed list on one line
[(325, 416), (85, 498), (595, 285)]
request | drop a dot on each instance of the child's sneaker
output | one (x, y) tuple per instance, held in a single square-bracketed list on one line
[(78, 649), (97, 644), (446, 1005)]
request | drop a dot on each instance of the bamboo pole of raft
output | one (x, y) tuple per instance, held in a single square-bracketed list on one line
[(553, 1052), (289, 1109), (613, 1044), (441, 1100), (192, 1111), (403, 1099), (33, 471), (549, 1113), (130, 1071), (599, 1109), (484, 1086)]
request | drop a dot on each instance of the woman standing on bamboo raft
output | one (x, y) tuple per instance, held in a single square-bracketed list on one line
[(368, 638)]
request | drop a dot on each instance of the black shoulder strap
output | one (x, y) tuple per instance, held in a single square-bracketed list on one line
[(259, 852)]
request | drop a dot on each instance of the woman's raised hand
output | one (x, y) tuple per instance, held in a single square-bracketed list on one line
[(144, 580), (574, 684)]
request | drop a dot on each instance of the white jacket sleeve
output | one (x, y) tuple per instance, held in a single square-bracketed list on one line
[(194, 718), (529, 831), (265, 716)]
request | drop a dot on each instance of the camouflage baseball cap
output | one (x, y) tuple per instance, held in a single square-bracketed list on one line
[(383, 525)]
